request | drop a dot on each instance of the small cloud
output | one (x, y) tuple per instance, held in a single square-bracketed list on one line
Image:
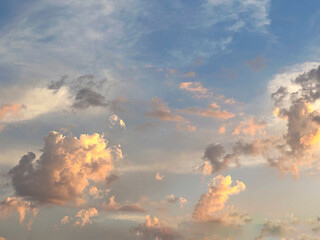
[(159, 177), (196, 88), (182, 202), (115, 120), (189, 74)]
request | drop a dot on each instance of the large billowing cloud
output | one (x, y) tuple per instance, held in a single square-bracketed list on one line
[(23, 208), (153, 228), (66, 167), (211, 205)]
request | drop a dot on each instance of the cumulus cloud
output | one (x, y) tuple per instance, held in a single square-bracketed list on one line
[(159, 177), (182, 202), (115, 206), (278, 229), (66, 167), (211, 205), (115, 120), (153, 228), (82, 217), (171, 198), (22, 207), (212, 110), (196, 88), (250, 127)]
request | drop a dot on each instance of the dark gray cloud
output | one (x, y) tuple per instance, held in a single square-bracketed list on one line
[(86, 98), (58, 84)]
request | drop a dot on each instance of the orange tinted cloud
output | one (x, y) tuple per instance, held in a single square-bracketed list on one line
[(195, 88), (250, 127), (9, 110), (66, 167), (215, 200), (23, 208), (212, 110)]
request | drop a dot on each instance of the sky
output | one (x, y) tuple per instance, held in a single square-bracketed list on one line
[(159, 120)]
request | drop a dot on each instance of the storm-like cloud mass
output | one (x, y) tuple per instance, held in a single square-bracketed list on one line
[(65, 168)]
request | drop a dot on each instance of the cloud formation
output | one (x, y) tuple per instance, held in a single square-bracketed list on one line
[(211, 204), (153, 228), (196, 88), (115, 206), (65, 168), (213, 110), (82, 218), (22, 207)]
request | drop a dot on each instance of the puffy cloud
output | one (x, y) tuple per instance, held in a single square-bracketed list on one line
[(212, 110), (1, 238), (87, 97), (84, 215), (250, 127), (115, 120), (114, 206), (222, 129), (294, 102), (278, 229), (153, 228), (82, 218), (211, 205), (65, 220), (159, 177), (216, 159), (66, 167), (182, 202), (196, 88), (22, 207), (171, 198), (213, 153)]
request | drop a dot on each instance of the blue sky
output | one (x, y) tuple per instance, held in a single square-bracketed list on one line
[(159, 120)]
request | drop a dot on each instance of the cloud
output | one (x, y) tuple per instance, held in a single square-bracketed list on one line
[(171, 198), (270, 229), (189, 74), (114, 206), (22, 207), (182, 202), (196, 88), (256, 13), (84, 215), (162, 111), (153, 228), (82, 218), (66, 167), (115, 120), (211, 204), (9, 111), (86, 98), (159, 177), (250, 127), (257, 64), (212, 110)]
